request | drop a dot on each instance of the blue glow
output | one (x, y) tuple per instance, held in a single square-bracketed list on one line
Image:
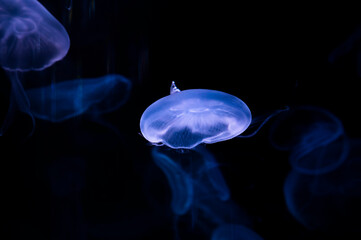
[(18, 102), (234, 232), (315, 138), (179, 181), (188, 118), (64, 100), (190, 173), (329, 202), (209, 169), (30, 37), (197, 186), (263, 121)]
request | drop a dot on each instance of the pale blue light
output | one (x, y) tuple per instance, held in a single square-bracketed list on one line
[(64, 100), (328, 202), (234, 232), (188, 118), (179, 181), (30, 37), (315, 138)]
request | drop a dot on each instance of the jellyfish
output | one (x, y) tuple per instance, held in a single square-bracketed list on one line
[(234, 232), (314, 137), (198, 188), (188, 170), (179, 181), (328, 202), (30, 39), (64, 100), (185, 119)]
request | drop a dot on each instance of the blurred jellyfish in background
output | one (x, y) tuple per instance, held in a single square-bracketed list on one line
[(328, 202), (234, 232), (30, 39), (199, 190), (60, 101), (181, 180), (314, 136)]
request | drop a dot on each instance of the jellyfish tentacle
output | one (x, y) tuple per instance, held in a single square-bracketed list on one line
[(180, 183), (264, 122), (173, 88), (18, 100), (69, 5)]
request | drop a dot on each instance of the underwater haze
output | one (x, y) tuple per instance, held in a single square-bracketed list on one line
[(179, 120)]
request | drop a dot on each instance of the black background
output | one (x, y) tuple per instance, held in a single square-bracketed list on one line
[(83, 180)]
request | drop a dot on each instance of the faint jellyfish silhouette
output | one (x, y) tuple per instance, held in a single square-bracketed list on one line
[(184, 169), (329, 202), (234, 232), (64, 100), (30, 39), (314, 137), (198, 188), (180, 182), (210, 172), (187, 118)]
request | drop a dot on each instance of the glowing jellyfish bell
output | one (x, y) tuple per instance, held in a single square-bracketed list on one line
[(30, 37), (185, 119)]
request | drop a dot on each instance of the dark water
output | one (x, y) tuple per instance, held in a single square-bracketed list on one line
[(95, 177)]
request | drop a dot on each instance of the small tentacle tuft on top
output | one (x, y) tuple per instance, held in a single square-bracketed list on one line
[(173, 88)]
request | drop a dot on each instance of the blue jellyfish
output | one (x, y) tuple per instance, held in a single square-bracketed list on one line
[(185, 171), (187, 118), (30, 37), (64, 100), (314, 137), (234, 232), (198, 188), (329, 202), (179, 180)]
